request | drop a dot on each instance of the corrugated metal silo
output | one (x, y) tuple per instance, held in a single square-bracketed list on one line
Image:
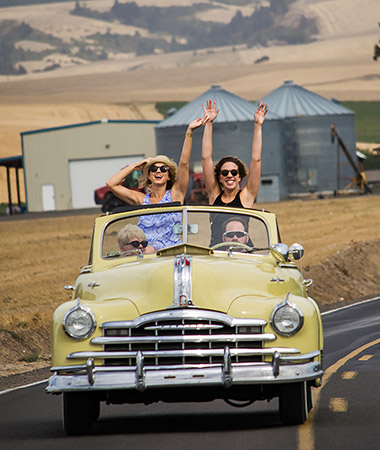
[(311, 160)]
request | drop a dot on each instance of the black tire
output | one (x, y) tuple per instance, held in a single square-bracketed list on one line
[(293, 403), (309, 394), (80, 411)]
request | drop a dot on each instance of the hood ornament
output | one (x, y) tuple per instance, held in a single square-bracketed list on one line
[(183, 282)]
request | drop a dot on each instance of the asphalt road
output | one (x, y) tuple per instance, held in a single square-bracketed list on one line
[(345, 416)]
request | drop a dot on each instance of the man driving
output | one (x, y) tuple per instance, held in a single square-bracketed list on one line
[(235, 229)]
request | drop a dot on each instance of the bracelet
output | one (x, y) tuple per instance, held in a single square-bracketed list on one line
[(189, 134)]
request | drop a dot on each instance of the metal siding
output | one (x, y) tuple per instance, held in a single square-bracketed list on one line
[(47, 154), (318, 156)]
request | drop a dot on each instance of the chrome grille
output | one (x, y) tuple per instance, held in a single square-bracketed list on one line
[(183, 337)]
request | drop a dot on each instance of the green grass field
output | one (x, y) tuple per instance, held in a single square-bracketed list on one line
[(367, 120)]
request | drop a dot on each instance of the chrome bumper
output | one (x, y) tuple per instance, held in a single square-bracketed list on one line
[(282, 369)]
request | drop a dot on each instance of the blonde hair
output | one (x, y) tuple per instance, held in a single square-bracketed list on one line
[(164, 160), (128, 232)]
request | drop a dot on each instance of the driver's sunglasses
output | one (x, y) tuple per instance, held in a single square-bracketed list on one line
[(162, 169), (136, 244), (231, 234), (225, 172)]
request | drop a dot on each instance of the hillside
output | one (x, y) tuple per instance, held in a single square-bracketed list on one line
[(338, 65)]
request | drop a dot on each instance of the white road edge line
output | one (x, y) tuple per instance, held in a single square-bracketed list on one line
[(350, 306), (23, 387)]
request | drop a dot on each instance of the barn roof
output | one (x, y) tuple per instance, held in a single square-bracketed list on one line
[(232, 109), (292, 100)]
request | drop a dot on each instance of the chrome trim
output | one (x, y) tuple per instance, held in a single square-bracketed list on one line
[(184, 314), (227, 379), (90, 371), (183, 353), (276, 364), (203, 376), (183, 338), (182, 282), (140, 385), (187, 326)]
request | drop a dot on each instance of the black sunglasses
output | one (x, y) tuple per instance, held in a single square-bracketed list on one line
[(136, 244), (238, 234), (162, 169), (225, 172)]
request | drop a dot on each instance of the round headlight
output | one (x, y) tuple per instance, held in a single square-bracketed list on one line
[(287, 318), (79, 322)]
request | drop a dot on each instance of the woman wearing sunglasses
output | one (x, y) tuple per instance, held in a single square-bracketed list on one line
[(223, 181), (164, 183), (131, 238)]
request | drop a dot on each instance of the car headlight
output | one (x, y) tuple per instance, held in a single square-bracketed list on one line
[(79, 322), (287, 318)]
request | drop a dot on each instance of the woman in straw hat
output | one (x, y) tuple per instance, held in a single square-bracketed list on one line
[(165, 182)]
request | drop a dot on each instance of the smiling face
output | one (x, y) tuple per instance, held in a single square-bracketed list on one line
[(159, 174), (235, 232), (229, 176)]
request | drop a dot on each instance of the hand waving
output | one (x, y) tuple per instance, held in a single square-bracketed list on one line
[(260, 113), (210, 113)]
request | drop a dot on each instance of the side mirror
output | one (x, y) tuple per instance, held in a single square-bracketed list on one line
[(296, 251)]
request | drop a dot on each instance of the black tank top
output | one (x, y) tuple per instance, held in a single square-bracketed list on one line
[(217, 220), (236, 202)]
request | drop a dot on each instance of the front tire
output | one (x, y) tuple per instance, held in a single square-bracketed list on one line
[(294, 403), (80, 411)]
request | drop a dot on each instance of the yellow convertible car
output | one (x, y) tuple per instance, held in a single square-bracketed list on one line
[(186, 304)]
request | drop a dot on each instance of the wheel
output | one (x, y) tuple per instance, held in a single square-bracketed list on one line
[(80, 411), (293, 403), (231, 244)]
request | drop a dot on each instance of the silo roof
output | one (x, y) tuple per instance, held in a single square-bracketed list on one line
[(232, 109), (292, 100)]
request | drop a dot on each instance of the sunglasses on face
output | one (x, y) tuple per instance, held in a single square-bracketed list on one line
[(162, 169), (136, 244), (231, 234), (225, 172)]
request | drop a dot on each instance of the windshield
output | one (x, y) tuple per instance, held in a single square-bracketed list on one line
[(150, 231)]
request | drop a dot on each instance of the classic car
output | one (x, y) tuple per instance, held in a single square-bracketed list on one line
[(207, 317)]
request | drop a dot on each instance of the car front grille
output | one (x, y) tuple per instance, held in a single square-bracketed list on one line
[(183, 337)]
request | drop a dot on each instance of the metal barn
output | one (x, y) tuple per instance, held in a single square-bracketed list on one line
[(233, 134), (63, 166)]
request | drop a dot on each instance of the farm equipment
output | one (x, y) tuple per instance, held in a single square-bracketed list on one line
[(359, 180)]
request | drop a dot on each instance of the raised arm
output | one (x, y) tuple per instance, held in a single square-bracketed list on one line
[(127, 195), (179, 188), (249, 192), (211, 183)]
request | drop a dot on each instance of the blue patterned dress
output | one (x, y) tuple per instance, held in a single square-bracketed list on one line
[(158, 228)]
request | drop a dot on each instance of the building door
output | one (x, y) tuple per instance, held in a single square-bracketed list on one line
[(87, 175), (48, 197)]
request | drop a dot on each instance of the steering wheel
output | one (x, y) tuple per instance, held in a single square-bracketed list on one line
[(231, 244)]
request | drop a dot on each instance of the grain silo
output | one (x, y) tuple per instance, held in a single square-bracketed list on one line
[(311, 160), (232, 135)]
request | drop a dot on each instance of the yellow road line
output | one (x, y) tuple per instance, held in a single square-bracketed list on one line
[(365, 357), (338, 404), (349, 375), (305, 431)]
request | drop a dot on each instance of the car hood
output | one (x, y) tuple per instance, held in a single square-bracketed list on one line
[(217, 280)]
